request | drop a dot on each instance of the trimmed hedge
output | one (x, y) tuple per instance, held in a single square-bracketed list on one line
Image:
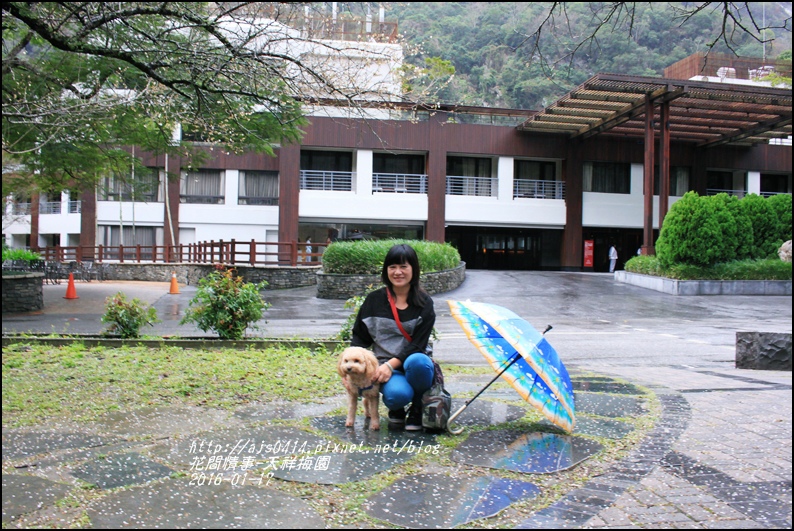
[(366, 256), (709, 230)]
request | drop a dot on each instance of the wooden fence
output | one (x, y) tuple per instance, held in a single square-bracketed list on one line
[(231, 252)]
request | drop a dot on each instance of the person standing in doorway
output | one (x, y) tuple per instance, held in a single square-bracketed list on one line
[(613, 258)]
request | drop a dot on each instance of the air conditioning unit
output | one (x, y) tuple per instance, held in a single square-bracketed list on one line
[(761, 72), (726, 71)]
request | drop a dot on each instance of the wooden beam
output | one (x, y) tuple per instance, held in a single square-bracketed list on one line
[(761, 128)]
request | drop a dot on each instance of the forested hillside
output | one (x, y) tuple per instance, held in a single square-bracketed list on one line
[(496, 61)]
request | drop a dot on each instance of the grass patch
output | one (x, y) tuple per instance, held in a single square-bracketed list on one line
[(74, 383)]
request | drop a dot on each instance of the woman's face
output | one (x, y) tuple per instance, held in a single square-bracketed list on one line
[(400, 274)]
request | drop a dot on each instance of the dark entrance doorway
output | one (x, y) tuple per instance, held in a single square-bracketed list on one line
[(626, 241), (506, 248)]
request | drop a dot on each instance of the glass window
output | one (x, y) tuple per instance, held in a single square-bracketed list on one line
[(258, 188), (143, 186), (679, 181), (535, 170), (772, 184), (607, 177), (403, 164), (469, 166), (202, 187), (111, 235), (326, 160), (719, 180)]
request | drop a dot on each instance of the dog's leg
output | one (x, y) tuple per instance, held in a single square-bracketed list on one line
[(372, 405), (352, 405)]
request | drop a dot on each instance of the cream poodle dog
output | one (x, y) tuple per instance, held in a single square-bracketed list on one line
[(357, 368)]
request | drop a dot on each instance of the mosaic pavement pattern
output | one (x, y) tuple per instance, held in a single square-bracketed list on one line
[(241, 468)]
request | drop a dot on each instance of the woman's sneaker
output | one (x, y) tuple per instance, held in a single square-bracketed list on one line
[(396, 419), (414, 421)]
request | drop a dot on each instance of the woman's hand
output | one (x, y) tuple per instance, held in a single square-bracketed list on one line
[(384, 372)]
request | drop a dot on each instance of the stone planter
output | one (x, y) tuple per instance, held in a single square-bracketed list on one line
[(331, 286), (706, 287), (23, 292), (277, 277)]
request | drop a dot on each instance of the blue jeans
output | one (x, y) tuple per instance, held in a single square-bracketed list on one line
[(415, 378)]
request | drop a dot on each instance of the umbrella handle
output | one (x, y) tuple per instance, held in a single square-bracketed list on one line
[(458, 412), (457, 431)]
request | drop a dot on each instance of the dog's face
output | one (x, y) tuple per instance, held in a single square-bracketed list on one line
[(357, 361)]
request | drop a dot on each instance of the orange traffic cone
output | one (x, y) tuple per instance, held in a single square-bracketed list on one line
[(71, 293), (174, 285)]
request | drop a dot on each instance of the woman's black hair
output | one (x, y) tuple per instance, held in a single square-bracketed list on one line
[(405, 254)]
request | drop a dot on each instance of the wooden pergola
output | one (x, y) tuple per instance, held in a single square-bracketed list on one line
[(706, 114)]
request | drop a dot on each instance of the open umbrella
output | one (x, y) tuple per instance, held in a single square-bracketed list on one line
[(522, 356)]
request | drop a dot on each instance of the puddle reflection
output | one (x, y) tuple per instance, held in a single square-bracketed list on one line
[(437, 501), (534, 453)]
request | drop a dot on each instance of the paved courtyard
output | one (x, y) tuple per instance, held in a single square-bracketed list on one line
[(713, 450)]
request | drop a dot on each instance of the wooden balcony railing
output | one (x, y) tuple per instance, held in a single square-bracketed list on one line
[(231, 252)]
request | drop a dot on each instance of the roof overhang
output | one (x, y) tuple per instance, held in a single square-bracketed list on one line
[(706, 114)]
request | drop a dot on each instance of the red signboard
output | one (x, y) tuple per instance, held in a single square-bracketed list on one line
[(589, 245)]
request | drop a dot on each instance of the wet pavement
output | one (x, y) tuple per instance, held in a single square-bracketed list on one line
[(669, 433)]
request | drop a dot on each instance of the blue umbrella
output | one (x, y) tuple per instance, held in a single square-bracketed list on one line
[(522, 356)]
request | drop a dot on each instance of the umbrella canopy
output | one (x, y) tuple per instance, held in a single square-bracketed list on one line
[(533, 367)]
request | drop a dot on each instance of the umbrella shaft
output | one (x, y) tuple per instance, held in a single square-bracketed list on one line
[(515, 359)]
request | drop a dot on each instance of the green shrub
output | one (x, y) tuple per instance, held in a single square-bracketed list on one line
[(754, 269), (644, 265), (763, 224), (694, 232), (20, 254), (366, 256), (127, 317), (739, 233), (781, 206), (769, 269), (354, 304), (225, 304)]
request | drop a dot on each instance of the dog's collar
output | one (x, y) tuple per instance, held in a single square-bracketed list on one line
[(362, 389)]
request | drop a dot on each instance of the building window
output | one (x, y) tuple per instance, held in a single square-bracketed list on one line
[(772, 184), (606, 177), (203, 187), (75, 205), (399, 173), (258, 188), (470, 176), (111, 236), (144, 186), (326, 170), (726, 182), (407, 164), (20, 205), (679, 181), (50, 203), (536, 179)]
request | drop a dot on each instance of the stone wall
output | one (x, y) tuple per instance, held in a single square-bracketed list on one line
[(23, 293), (330, 286), (276, 277)]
